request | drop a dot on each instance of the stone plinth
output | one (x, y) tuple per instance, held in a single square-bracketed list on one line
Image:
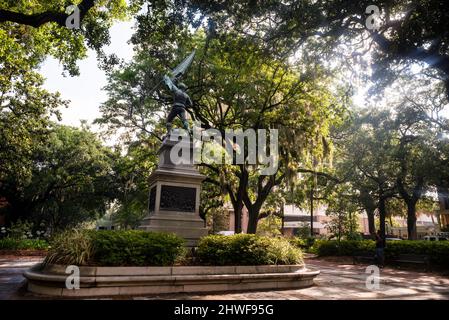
[(175, 188)]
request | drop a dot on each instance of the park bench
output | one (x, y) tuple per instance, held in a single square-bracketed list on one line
[(364, 257), (413, 259)]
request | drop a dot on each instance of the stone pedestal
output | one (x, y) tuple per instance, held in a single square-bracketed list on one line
[(175, 188)]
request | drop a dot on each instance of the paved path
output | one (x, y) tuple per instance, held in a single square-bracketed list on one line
[(337, 280), (11, 279)]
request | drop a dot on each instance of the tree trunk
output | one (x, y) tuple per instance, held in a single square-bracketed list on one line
[(371, 224), (370, 205), (411, 201), (252, 220), (253, 214), (238, 217), (237, 201), (382, 214), (411, 220)]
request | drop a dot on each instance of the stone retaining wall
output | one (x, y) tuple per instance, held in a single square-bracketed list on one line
[(113, 281)]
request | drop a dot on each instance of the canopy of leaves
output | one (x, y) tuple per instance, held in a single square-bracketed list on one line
[(71, 180)]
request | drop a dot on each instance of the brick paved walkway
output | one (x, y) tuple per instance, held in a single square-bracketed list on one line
[(338, 280)]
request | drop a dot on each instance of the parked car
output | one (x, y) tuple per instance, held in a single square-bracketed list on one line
[(435, 238)]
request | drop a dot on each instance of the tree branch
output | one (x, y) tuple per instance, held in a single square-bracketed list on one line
[(38, 19)]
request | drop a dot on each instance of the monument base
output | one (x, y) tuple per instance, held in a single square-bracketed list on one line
[(175, 188), (190, 228)]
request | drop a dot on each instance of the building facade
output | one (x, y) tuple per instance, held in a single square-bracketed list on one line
[(297, 221)]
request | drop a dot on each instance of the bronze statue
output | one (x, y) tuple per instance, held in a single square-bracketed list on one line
[(181, 101)]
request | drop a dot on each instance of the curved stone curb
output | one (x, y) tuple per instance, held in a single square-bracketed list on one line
[(112, 281)]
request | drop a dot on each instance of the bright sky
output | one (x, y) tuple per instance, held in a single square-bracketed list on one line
[(85, 91)]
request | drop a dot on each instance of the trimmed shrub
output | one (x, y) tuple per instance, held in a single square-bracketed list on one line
[(343, 248), (246, 249), (136, 248), (23, 244), (116, 248), (438, 251)]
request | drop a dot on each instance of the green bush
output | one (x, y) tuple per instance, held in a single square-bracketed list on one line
[(302, 243), (342, 248), (116, 248), (438, 251), (246, 249), (71, 247), (23, 244), (298, 242), (137, 248)]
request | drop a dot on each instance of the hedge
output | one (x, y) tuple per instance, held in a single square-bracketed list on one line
[(246, 249), (116, 248), (438, 251), (137, 248), (342, 248), (303, 244), (23, 244)]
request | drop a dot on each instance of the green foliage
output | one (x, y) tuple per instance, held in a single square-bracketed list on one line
[(343, 248), (415, 35), (137, 248), (71, 180), (132, 171), (246, 249), (303, 243), (23, 244), (298, 242), (269, 226), (303, 231), (116, 248), (234, 85), (68, 46), (71, 247), (437, 250), (354, 236), (217, 220), (343, 214), (20, 230), (25, 230)]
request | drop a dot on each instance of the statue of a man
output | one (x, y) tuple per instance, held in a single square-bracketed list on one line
[(181, 101)]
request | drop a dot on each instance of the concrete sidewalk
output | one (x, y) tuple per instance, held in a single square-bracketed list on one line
[(338, 280), (11, 279)]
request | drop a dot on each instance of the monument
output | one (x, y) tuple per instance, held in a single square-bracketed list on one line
[(175, 186)]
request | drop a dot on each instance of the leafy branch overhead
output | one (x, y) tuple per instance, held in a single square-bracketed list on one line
[(40, 18)]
